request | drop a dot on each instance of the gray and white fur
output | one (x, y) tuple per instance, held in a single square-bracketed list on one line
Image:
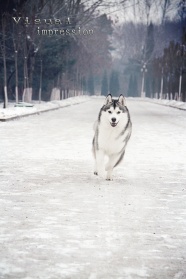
[(112, 132)]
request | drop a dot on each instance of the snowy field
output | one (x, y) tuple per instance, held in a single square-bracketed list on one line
[(164, 102), (59, 221)]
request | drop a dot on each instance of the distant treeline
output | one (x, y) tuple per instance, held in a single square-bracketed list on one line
[(156, 53)]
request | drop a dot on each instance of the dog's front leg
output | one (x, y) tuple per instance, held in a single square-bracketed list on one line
[(100, 163), (113, 159)]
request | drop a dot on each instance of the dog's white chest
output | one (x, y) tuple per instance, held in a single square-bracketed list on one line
[(110, 141)]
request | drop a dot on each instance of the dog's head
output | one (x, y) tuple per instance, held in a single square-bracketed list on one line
[(114, 110)]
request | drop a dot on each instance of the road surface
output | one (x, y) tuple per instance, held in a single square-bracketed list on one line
[(59, 221)]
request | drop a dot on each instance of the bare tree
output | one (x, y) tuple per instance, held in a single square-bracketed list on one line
[(3, 48), (16, 42)]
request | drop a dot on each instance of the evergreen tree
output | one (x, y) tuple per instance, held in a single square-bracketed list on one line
[(84, 85), (114, 86), (129, 93), (135, 86), (91, 85), (148, 87), (104, 84), (149, 46)]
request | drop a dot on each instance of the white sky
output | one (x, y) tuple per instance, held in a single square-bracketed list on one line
[(135, 10)]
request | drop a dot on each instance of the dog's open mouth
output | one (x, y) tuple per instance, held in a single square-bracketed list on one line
[(113, 124)]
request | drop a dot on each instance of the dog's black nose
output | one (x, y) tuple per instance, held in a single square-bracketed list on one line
[(113, 119)]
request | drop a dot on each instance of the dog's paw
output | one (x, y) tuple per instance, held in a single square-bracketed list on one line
[(108, 178), (109, 175)]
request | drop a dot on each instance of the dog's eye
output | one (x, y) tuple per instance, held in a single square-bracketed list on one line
[(118, 112), (109, 111)]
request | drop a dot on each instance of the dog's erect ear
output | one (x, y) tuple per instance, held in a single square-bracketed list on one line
[(108, 99), (121, 100)]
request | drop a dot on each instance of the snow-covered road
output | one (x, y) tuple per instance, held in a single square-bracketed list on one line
[(59, 221)]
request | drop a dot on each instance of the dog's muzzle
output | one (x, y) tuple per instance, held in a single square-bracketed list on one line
[(113, 123)]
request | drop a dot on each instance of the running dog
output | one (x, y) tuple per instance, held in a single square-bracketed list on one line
[(112, 133)]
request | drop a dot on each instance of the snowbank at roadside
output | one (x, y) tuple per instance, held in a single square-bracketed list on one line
[(170, 103), (13, 112), (163, 102)]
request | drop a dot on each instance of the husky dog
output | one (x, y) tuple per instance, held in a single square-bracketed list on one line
[(112, 133)]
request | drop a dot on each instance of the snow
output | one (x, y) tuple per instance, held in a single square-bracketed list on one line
[(165, 102), (13, 112), (58, 220)]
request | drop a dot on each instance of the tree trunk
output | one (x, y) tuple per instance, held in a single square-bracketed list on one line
[(41, 72), (4, 64), (26, 83), (16, 78)]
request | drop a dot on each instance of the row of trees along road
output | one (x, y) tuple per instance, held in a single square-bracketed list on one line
[(110, 85), (146, 55), (151, 55), (34, 64)]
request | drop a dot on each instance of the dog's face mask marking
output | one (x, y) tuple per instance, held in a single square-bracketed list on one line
[(114, 109), (114, 115)]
